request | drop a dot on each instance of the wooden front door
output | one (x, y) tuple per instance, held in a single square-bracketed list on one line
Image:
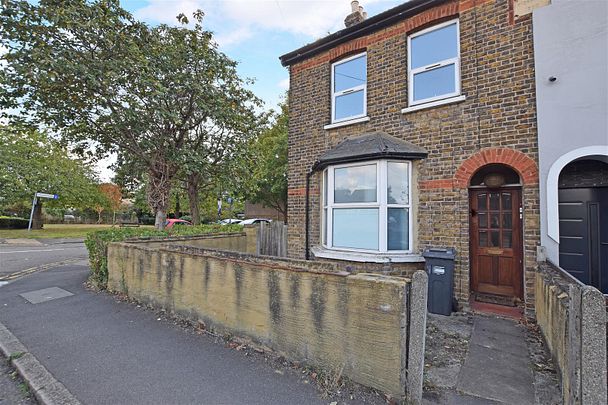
[(496, 243)]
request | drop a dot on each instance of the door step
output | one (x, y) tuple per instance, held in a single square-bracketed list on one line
[(497, 299)]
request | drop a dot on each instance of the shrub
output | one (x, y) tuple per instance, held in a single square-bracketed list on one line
[(13, 223), (97, 243)]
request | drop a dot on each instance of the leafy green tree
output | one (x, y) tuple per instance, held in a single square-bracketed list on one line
[(262, 167), (105, 81), (34, 162)]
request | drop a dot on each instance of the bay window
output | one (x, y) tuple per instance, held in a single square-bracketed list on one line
[(366, 206)]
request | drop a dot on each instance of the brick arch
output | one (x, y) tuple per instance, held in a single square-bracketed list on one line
[(524, 165)]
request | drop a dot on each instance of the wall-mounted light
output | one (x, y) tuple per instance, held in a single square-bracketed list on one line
[(552, 79)]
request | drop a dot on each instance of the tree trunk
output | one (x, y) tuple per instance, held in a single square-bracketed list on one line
[(160, 177), (37, 218), (178, 208), (193, 181)]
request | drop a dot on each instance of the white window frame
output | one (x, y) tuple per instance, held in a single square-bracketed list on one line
[(328, 205), (446, 62), (335, 94)]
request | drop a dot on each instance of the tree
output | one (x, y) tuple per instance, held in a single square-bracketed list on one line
[(34, 162), (263, 166), (112, 198), (107, 82)]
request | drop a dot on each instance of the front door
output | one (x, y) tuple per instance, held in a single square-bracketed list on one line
[(496, 244)]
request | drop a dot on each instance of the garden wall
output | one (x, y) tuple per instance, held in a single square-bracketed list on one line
[(572, 318), (372, 327)]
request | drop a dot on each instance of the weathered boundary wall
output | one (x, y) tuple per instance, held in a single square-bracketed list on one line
[(244, 242), (572, 318), (372, 327)]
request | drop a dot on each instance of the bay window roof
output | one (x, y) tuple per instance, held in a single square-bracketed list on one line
[(374, 145)]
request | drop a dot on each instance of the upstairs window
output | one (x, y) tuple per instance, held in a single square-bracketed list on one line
[(434, 63), (349, 88)]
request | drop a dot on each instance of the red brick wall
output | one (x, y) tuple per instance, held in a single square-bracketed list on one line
[(495, 124)]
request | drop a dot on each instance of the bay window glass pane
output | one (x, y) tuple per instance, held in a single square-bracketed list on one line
[(355, 228), (435, 82), (325, 187), (398, 229), (355, 184), (350, 74), (434, 46), (324, 242), (349, 105), (397, 183)]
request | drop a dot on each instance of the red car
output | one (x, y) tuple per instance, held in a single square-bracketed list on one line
[(170, 223)]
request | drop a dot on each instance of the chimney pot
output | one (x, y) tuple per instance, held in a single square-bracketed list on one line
[(356, 16)]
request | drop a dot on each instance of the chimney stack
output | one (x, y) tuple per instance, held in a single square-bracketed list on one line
[(356, 16)]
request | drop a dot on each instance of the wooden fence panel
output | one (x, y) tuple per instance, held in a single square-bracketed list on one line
[(272, 239)]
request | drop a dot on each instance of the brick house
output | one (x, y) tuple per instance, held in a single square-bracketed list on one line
[(416, 128)]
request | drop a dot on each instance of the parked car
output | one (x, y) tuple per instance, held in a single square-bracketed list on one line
[(170, 223), (228, 221), (252, 221)]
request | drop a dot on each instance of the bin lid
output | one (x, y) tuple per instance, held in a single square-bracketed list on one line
[(440, 253)]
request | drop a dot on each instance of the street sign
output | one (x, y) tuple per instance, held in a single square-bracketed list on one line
[(35, 200), (46, 195)]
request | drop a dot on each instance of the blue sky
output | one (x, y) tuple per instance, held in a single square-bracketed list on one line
[(256, 32)]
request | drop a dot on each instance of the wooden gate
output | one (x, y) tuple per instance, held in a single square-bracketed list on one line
[(272, 239)]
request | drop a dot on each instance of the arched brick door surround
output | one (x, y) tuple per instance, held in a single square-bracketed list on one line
[(524, 165)]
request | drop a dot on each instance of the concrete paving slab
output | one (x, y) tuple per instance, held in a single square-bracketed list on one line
[(46, 294), (499, 372)]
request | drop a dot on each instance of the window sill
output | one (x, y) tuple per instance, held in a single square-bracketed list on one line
[(345, 123), (436, 103), (322, 252)]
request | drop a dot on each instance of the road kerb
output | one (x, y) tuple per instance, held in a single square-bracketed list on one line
[(46, 389)]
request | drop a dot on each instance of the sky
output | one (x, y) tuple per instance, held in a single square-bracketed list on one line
[(255, 33)]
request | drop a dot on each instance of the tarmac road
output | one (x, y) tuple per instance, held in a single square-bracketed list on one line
[(14, 258)]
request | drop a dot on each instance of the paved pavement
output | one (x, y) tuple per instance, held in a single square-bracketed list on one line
[(110, 352), (19, 257)]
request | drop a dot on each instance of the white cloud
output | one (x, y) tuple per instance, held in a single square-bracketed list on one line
[(284, 84), (312, 18), (235, 36)]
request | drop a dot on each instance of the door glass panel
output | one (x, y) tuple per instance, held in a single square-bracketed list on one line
[(507, 239), (481, 202), (494, 238), (507, 220), (355, 228), (494, 220), (483, 238), (355, 184), (506, 201), (483, 220), (398, 228), (494, 201), (397, 187)]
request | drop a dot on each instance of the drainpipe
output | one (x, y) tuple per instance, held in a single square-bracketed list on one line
[(307, 215)]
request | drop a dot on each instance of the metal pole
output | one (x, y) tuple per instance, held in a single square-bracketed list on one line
[(29, 227)]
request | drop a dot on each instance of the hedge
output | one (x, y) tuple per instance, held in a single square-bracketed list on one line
[(97, 243), (13, 223)]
